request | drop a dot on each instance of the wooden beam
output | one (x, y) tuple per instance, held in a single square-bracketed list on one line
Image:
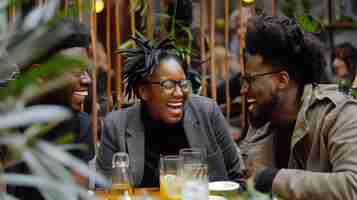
[(245, 13), (274, 7), (94, 114), (80, 9), (65, 9), (109, 57), (203, 17), (132, 18), (150, 21), (226, 59), (212, 47), (119, 67)]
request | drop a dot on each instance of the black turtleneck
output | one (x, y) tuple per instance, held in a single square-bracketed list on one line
[(160, 139)]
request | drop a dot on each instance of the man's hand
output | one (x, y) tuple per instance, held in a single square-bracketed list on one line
[(264, 179)]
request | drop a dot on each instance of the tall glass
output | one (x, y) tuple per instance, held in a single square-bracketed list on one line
[(121, 179), (170, 177), (195, 178)]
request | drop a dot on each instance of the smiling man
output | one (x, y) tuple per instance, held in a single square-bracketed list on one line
[(302, 143)]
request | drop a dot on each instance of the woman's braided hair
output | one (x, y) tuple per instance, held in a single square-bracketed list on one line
[(141, 61)]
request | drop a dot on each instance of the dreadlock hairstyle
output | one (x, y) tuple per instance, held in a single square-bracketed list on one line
[(140, 62), (284, 45)]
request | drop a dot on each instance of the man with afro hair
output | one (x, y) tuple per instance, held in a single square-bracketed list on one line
[(302, 143)]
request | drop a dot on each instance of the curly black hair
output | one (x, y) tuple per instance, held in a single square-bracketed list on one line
[(140, 62), (284, 45)]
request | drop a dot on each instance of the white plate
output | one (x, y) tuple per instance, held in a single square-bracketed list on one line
[(223, 186), (215, 197)]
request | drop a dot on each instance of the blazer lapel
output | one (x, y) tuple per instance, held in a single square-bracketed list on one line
[(193, 130), (135, 144)]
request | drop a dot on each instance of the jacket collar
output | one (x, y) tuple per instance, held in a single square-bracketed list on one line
[(301, 126), (311, 94)]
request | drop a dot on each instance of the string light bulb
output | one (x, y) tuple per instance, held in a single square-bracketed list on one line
[(248, 2), (99, 6)]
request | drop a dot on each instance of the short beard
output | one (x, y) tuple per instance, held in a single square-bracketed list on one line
[(263, 113)]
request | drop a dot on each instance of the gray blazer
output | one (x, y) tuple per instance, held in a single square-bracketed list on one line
[(204, 125)]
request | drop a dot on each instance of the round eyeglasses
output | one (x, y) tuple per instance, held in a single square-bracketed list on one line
[(169, 86)]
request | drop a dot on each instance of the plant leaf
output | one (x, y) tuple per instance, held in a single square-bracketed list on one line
[(40, 15), (309, 24), (47, 184), (34, 114), (39, 170), (72, 162)]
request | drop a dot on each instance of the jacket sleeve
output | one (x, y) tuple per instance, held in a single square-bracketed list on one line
[(228, 147), (107, 149), (339, 129)]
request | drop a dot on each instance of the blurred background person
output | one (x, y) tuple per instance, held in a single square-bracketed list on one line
[(345, 63)]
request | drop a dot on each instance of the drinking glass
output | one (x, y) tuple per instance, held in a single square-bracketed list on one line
[(195, 178), (170, 177), (121, 179)]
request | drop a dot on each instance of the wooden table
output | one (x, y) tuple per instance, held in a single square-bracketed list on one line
[(154, 193)]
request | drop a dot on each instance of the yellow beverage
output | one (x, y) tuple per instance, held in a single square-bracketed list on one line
[(170, 187), (117, 191)]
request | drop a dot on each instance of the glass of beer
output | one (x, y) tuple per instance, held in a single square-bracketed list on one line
[(170, 177)]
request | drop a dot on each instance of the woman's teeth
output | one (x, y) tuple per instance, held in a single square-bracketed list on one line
[(175, 105), (80, 93)]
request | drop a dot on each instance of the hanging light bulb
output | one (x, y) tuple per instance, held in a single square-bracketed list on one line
[(99, 6), (248, 2)]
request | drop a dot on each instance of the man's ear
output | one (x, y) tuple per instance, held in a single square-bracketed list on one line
[(284, 79), (142, 92)]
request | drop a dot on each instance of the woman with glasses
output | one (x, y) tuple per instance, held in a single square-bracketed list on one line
[(167, 119)]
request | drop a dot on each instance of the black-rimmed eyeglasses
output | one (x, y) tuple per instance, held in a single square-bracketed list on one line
[(247, 79), (169, 86)]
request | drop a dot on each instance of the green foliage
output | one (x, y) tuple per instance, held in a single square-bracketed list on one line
[(354, 92), (21, 127), (54, 67), (309, 24)]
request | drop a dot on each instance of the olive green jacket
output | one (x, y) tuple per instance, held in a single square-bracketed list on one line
[(323, 149)]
